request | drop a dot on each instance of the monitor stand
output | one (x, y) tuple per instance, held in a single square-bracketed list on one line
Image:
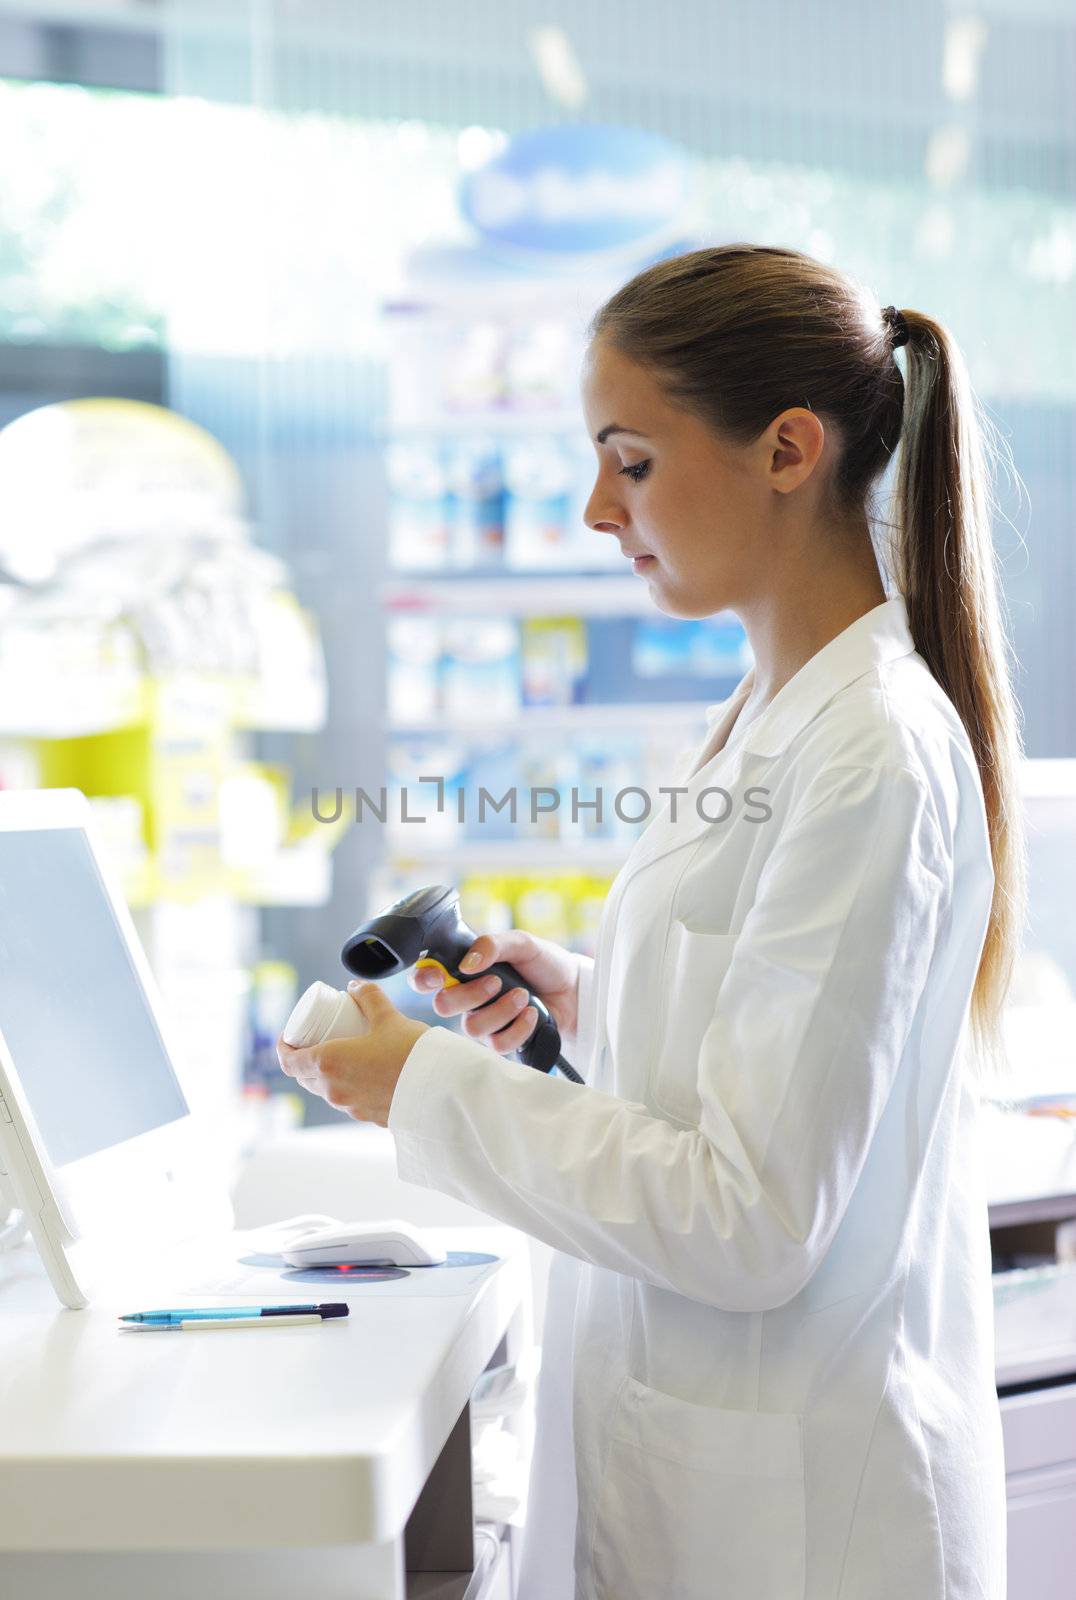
[(14, 1227)]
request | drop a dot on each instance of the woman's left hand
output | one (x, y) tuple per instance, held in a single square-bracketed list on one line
[(358, 1075)]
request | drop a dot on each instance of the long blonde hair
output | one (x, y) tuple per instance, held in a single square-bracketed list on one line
[(738, 333)]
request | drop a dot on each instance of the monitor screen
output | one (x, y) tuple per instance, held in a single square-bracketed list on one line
[(90, 1058)]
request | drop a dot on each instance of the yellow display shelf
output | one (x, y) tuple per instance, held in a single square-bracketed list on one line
[(174, 750)]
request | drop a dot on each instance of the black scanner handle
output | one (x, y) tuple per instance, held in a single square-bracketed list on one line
[(426, 930), (542, 1048)]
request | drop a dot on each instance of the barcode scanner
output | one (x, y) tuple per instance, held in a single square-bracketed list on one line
[(426, 930)]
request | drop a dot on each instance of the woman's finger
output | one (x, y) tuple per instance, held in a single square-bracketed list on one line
[(465, 996), (487, 1020), (511, 944), (478, 956), (295, 1059), (516, 1034)]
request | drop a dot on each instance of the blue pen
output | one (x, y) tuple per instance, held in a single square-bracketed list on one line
[(332, 1308)]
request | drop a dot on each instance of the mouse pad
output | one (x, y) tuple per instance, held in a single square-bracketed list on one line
[(259, 1270)]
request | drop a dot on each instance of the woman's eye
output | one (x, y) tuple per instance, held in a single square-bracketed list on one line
[(636, 472)]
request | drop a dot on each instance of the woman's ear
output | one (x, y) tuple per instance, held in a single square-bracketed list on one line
[(795, 441)]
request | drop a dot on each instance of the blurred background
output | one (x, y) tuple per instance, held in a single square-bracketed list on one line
[(292, 463)]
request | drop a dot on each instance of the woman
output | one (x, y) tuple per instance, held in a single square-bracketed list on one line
[(768, 1358)]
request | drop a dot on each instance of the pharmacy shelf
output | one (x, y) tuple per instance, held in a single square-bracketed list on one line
[(525, 594), (630, 716), (294, 877), (80, 708), (544, 855)]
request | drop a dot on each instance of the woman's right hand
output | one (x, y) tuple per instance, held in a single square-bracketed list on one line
[(549, 971)]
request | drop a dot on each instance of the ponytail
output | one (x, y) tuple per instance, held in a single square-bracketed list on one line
[(945, 565)]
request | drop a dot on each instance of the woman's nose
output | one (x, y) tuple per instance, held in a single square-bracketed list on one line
[(599, 515)]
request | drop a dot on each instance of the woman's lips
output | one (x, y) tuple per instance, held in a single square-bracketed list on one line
[(639, 562)]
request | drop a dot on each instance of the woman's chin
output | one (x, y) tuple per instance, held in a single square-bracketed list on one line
[(678, 599), (686, 607)]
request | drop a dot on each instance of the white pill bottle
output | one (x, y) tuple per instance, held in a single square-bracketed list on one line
[(322, 1013)]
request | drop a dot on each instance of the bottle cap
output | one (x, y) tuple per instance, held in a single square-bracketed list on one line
[(322, 1012)]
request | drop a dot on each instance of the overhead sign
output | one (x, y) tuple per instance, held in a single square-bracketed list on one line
[(580, 189)]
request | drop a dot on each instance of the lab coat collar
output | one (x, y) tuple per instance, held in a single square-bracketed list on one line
[(879, 635)]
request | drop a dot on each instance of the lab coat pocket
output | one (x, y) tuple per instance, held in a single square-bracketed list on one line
[(695, 967), (700, 1502)]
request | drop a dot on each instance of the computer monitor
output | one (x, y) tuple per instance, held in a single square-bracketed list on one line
[(99, 1147)]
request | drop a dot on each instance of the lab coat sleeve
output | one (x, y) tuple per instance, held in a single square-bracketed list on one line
[(808, 1028)]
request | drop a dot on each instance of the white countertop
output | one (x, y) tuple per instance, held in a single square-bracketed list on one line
[(324, 1433)]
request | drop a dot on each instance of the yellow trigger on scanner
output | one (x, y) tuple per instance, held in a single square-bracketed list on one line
[(429, 961)]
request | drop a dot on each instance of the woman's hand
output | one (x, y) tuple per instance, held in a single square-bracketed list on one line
[(508, 1022), (358, 1075)]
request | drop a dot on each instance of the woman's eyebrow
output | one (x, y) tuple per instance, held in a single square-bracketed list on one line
[(615, 427)]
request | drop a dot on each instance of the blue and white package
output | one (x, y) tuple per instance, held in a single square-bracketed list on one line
[(476, 489), (496, 770), (418, 504), (538, 485), (414, 820), (413, 669), (609, 768), (480, 672)]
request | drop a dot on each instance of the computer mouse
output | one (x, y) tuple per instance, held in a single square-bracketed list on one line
[(364, 1244)]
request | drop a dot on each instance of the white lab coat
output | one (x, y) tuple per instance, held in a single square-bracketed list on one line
[(768, 1355)]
